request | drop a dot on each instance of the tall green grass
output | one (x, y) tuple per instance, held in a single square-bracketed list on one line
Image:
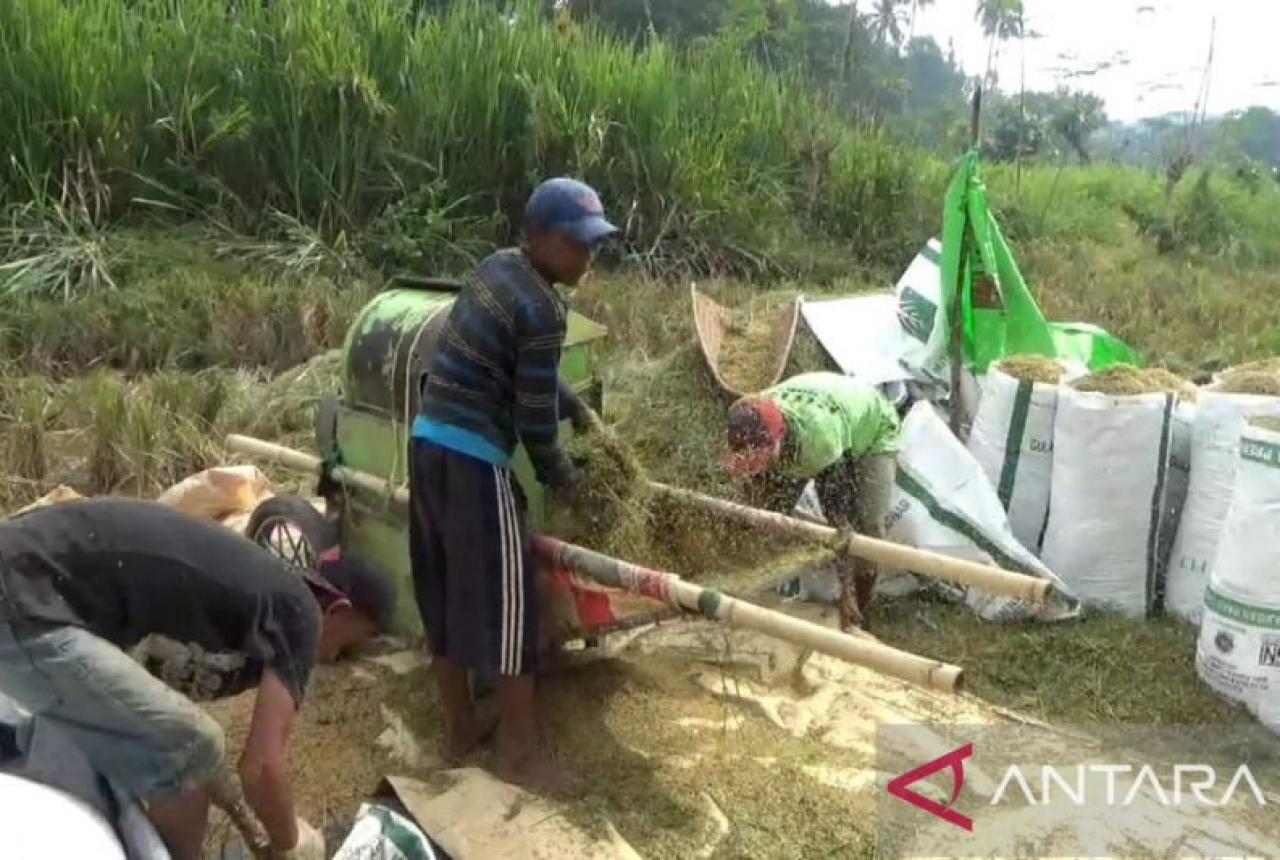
[(330, 111)]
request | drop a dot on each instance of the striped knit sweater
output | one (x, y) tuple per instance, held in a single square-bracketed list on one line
[(493, 381)]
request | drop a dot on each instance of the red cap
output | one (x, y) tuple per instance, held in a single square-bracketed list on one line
[(755, 433)]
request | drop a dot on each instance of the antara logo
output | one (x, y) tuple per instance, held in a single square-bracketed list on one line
[(1197, 780)]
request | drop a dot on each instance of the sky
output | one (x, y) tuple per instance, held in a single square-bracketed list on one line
[(1144, 57)]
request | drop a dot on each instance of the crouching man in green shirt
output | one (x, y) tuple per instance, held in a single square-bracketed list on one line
[(836, 431)]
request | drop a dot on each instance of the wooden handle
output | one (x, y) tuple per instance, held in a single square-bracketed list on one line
[(226, 795), (304, 462), (985, 577), (673, 590)]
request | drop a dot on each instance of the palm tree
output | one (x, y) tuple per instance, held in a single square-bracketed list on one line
[(1001, 20), (916, 7), (886, 22), (846, 56)]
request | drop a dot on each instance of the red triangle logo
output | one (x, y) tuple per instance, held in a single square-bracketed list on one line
[(954, 760)]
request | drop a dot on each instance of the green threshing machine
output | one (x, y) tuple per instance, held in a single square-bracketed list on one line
[(387, 349)]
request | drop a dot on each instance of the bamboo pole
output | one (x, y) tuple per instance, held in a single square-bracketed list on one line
[(985, 577), (304, 462), (228, 796), (672, 590)]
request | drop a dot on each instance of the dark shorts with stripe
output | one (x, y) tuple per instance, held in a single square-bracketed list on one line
[(472, 560)]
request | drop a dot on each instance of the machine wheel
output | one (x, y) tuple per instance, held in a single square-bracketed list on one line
[(292, 529)]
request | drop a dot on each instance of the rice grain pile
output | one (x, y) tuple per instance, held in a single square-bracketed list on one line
[(746, 355), (1032, 368), (1266, 422), (748, 351), (1124, 380), (1265, 365), (1262, 377)]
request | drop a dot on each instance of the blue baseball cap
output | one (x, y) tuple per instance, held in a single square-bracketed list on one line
[(569, 207)]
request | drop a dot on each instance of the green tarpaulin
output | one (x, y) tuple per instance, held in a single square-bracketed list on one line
[(998, 315)]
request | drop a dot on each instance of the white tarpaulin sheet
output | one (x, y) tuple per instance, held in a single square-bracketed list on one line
[(861, 334)]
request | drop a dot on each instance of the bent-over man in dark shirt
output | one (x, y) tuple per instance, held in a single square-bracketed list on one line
[(492, 384), (81, 582)]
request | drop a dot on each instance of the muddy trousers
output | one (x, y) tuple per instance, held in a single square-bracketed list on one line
[(855, 493)]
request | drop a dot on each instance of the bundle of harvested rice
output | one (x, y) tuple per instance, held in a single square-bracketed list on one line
[(1124, 380), (607, 508), (1032, 368), (611, 509)]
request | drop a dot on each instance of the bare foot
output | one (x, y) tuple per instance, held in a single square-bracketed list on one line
[(462, 742), (850, 617), (540, 773)]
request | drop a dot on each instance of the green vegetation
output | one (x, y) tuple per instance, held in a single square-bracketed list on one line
[(419, 134)]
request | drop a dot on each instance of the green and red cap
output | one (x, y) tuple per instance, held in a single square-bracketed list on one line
[(756, 429)]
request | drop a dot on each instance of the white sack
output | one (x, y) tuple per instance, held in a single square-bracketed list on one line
[(943, 502), (1238, 652), (381, 833), (861, 335), (1106, 507), (1215, 449), (219, 492), (1012, 439)]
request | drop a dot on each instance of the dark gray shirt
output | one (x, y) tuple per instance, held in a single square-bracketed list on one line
[(125, 570)]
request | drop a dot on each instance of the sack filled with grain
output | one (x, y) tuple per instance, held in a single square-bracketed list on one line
[(1012, 438), (1238, 651), (1109, 503), (942, 502), (1215, 448)]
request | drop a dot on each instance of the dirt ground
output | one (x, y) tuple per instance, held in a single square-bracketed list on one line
[(335, 761), (693, 741)]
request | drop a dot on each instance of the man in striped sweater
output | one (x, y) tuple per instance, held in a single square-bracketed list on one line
[(492, 384)]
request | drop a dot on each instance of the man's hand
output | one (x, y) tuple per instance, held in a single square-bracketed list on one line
[(263, 769), (310, 845), (572, 407), (850, 616)]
